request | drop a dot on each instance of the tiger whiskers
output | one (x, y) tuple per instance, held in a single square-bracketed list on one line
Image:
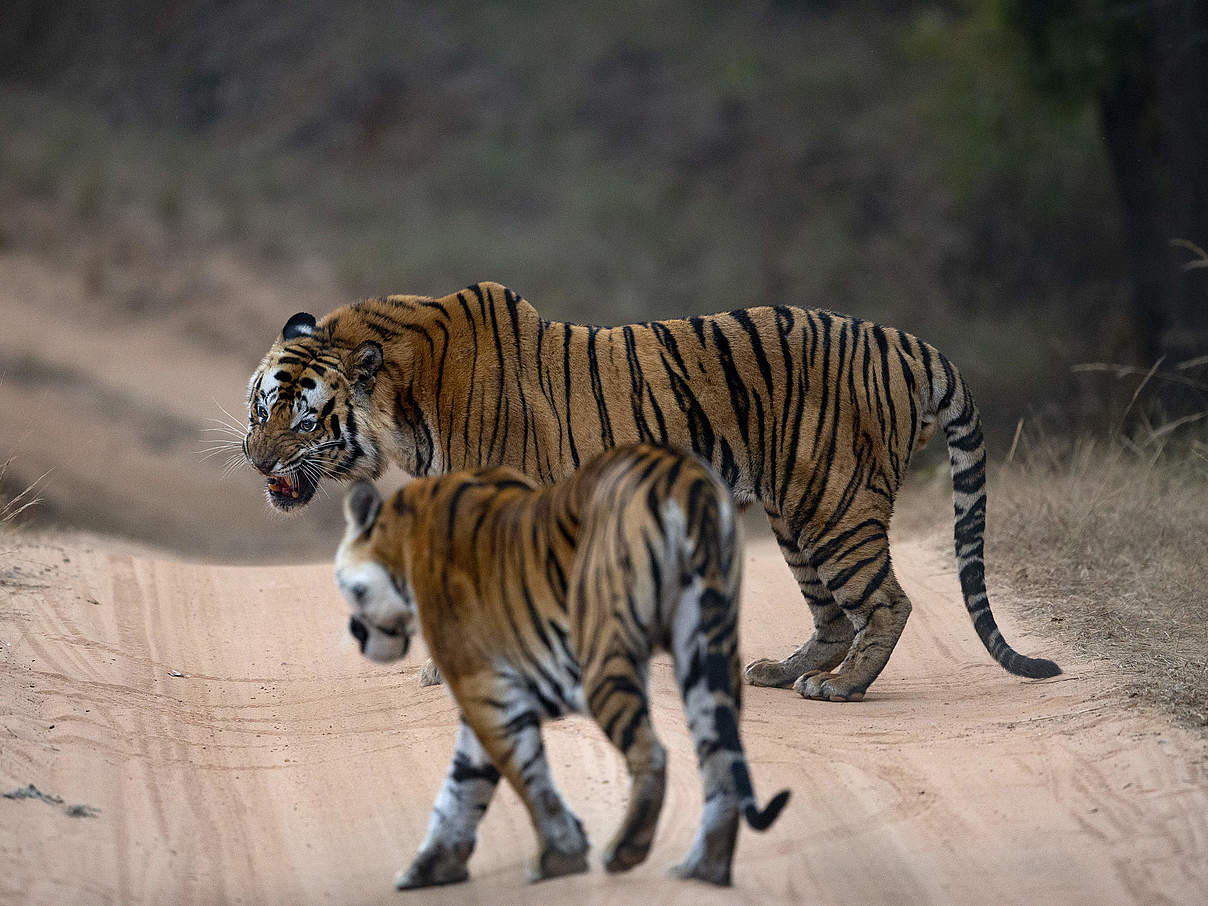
[(224, 428), (232, 421), (225, 437), (320, 447), (232, 463), (317, 469), (220, 445), (315, 472)]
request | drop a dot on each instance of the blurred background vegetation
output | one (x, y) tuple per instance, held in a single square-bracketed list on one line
[(1001, 177)]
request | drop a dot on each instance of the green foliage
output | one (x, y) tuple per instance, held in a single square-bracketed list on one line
[(1078, 48), (1026, 167), (1001, 136), (611, 163)]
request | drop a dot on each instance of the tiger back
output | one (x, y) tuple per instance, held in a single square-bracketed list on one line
[(535, 602)]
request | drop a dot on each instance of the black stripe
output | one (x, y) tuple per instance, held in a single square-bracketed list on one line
[(739, 398), (463, 770), (597, 390), (500, 407), (473, 383), (527, 425), (570, 431)]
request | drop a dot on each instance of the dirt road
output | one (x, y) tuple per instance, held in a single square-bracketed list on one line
[(280, 767), (126, 413)]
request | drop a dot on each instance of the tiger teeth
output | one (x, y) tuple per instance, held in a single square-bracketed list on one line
[(284, 485)]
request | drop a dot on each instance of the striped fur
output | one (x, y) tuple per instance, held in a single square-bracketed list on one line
[(537, 601), (813, 414)]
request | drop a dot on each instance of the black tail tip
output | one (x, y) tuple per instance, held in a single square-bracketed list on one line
[(763, 820), (1034, 668)]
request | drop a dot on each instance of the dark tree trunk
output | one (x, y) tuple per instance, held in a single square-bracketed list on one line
[(1155, 122), (1181, 67), (1134, 147)]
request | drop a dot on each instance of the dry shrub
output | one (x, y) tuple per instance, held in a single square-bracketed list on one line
[(1109, 539)]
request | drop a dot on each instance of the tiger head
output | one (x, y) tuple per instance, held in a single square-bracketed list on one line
[(373, 579), (310, 412)]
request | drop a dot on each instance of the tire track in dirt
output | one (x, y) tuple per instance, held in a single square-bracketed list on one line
[(282, 767)]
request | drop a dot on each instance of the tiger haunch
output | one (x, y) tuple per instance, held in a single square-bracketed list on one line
[(540, 601)]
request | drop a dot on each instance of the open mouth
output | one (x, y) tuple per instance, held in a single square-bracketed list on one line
[(290, 490)]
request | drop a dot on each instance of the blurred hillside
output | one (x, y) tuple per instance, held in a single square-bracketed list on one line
[(188, 174)]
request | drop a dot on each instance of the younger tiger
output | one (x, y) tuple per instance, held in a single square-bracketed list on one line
[(539, 601)]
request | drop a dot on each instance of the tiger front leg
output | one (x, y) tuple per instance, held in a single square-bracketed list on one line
[(825, 649), (453, 827), (619, 704), (880, 614), (833, 631)]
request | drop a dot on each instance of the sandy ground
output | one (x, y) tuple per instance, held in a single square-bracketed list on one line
[(121, 408), (281, 767)]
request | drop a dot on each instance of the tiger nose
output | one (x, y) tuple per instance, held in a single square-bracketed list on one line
[(262, 458), (266, 464)]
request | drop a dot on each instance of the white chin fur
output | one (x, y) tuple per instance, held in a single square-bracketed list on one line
[(383, 648)]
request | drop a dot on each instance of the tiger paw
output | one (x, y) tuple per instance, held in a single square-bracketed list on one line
[(429, 674), (767, 672), (431, 868), (554, 863), (711, 872), (831, 687), (622, 856)]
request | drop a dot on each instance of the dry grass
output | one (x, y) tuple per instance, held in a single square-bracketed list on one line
[(1109, 541), (13, 505), (1105, 540)]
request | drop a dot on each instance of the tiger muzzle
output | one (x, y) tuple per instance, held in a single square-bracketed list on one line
[(261, 455)]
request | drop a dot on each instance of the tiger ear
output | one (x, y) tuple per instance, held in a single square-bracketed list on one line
[(363, 366), (300, 325), (362, 504)]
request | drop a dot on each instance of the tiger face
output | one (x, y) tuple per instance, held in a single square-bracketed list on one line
[(382, 603), (310, 413)]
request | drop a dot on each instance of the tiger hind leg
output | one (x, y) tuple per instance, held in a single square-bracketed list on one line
[(833, 631), (618, 702), (712, 853), (705, 650), (862, 581)]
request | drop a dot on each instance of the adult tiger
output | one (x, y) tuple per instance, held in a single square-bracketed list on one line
[(813, 414), (538, 601)]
